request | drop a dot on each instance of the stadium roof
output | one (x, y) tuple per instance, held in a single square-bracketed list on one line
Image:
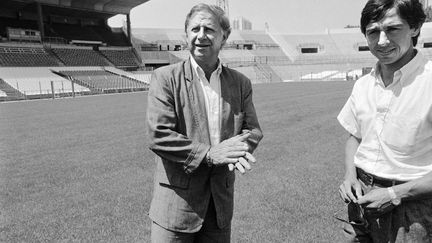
[(106, 6)]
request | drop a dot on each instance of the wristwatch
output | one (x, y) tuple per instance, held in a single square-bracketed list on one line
[(395, 200)]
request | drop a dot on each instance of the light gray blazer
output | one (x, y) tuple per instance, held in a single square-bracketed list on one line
[(179, 136)]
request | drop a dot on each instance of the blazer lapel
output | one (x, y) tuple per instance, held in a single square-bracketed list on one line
[(197, 100)]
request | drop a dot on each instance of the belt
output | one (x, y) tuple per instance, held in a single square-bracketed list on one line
[(370, 179)]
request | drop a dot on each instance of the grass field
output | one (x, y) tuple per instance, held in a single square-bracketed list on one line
[(79, 170)]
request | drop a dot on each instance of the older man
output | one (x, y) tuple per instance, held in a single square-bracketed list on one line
[(202, 126), (388, 155)]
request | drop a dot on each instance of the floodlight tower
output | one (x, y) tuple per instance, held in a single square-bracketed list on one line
[(223, 4)]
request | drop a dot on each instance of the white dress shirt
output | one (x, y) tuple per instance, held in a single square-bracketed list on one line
[(394, 122), (213, 100)]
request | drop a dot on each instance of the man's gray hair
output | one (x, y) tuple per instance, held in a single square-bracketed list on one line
[(215, 11)]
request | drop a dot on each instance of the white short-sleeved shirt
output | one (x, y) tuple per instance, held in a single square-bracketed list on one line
[(213, 99), (394, 122)]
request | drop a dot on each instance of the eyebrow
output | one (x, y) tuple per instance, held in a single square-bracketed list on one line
[(210, 26), (374, 27)]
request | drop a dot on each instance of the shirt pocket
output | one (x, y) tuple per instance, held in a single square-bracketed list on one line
[(400, 133)]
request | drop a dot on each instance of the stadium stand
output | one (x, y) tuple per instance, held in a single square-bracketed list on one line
[(271, 56), (35, 82), (8, 92), (259, 38), (266, 57), (248, 71), (181, 55), (267, 73), (67, 49), (80, 56), (163, 39), (25, 56), (120, 57), (323, 49), (425, 39), (141, 76), (319, 76), (113, 36), (157, 58), (70, 44), (2, 94), (103, 81), (227, 55), (349, 42), (236, 56)]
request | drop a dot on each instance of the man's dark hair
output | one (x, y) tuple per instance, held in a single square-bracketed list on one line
[(409, 10)]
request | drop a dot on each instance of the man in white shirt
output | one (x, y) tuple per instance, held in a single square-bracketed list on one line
[(388, 155)]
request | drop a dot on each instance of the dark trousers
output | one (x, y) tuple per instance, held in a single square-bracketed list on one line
[(210, 232), (411, 221)]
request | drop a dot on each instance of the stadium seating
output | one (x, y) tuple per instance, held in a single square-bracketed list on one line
[(271, 56), (248, 71), (35, 82), (120, 57), (75, 39), (141, 76), (262, 56), (26, 56), (80, 57), (260, 38), (7, 92), (180, 55), (104, 81), (165, 57), (233, 56)]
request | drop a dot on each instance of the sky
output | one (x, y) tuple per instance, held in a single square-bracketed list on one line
[(282, 16)]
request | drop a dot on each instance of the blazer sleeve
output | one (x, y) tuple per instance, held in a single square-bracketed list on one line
[(162, 121), (250, 121)]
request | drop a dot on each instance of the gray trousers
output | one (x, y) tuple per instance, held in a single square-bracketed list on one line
[(209, 233), (411, 221)]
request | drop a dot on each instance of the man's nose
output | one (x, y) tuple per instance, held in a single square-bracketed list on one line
[(201, 33), (383, 39)]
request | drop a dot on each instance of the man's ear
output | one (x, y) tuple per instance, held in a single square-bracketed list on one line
[(225, 38), (187, 40), (416, 31)]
